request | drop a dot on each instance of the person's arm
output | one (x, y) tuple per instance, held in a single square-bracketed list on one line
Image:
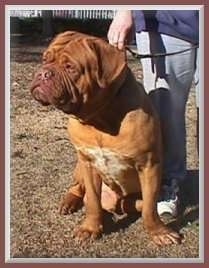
[(120, 28)]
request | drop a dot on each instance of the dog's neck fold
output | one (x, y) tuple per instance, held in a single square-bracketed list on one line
[(102, 112)]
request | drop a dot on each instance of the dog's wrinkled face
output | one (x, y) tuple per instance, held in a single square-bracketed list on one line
[(76, 67)]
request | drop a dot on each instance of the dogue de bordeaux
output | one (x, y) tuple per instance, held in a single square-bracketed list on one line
[(114, 129)]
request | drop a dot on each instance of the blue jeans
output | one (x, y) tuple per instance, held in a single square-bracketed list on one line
[(168, 80)]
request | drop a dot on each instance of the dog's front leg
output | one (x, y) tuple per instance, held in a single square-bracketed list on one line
[(150, 185), (92, 225)]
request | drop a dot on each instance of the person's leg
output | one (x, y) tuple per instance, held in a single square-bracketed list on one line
[(167, 80)]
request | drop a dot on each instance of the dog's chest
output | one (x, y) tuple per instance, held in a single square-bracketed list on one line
[(115, 170)]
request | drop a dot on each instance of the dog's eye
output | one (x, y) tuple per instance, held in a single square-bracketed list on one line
[(71, 68), (44, 60), (48, 56)]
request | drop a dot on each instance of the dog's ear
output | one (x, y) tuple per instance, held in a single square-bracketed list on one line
[(111, 63)]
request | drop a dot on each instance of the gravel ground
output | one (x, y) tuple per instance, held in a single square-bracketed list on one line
[(42, 161)]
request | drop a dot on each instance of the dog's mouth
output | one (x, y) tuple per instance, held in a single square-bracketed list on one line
[(41, 94)]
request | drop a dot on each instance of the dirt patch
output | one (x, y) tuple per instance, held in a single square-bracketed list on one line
[(42, 161)]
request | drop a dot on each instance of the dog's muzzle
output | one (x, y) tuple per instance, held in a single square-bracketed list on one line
[(42, 86)]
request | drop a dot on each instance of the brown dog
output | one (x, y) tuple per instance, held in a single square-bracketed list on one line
[(113, 127)]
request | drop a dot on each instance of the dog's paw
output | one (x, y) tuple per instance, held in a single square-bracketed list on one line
[(70, 204), (88, 231), (166, 236)]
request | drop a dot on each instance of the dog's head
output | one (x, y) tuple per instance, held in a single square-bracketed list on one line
[(76, 68)]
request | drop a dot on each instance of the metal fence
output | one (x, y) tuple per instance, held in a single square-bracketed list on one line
[(74, 14)]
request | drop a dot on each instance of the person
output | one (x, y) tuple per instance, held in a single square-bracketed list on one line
[(166, 79)]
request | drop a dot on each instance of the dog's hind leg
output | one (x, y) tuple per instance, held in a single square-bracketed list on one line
[(73, 199), (121, 206)]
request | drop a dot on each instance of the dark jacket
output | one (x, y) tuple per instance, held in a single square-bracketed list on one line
[(183, 24)]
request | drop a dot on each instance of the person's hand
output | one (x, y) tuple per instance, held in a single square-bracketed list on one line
[(120, 28)]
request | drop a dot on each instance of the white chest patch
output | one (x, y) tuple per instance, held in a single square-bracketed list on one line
[(114, 168)]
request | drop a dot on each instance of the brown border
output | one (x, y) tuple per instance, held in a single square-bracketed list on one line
[(2, 125)]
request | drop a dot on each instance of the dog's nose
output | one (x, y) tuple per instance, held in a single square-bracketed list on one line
[(46, 74)]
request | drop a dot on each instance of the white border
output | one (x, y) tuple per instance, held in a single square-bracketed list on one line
[(104, 260), (201, 133), (7, 136), (102, 7)]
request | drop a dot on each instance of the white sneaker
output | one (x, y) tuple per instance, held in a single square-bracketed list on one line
[(169, 200), (168, 207)]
